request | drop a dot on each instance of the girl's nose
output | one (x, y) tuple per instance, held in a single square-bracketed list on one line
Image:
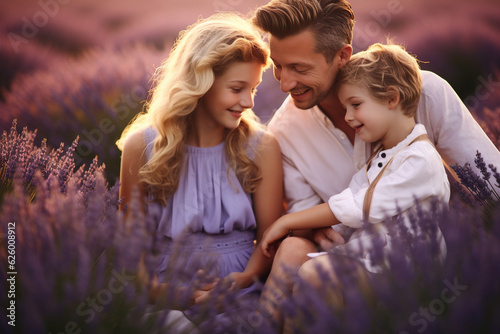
[(247, 101)]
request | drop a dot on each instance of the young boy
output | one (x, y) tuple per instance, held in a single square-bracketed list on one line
[(379, 89)]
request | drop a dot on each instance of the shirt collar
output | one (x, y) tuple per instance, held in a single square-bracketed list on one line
[(418, 129)]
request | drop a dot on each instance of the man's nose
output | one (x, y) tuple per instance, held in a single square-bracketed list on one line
[(286, 79)]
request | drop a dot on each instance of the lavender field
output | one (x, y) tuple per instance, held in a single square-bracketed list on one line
[(73, 73)]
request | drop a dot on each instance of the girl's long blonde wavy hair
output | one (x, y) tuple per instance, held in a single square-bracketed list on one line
[(201, 53)]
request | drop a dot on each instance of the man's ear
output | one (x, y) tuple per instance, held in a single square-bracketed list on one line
[(393, 97), (344, 54)]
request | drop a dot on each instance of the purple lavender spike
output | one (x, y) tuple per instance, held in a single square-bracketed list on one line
[(496, 175), (481, 165)]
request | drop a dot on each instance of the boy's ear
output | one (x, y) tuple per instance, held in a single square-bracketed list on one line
[(393, 97)]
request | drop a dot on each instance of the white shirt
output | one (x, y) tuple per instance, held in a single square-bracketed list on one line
[(319, 160), (416, 172)]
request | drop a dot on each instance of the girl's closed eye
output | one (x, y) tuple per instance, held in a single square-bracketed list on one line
[(236, 89)]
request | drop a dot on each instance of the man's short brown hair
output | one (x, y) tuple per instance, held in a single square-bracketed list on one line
[(331, 21)]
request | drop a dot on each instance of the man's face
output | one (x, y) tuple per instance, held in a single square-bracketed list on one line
[(301, 71)]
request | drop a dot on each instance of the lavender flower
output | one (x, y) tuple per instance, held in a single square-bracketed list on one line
[(82, 261), (68, 250), (496, 175), (415, 292), (72, 242), (96, 97), (481, 165), (18, 152), (476, 185)]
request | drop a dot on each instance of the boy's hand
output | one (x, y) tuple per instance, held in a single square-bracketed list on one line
[(274, 233)]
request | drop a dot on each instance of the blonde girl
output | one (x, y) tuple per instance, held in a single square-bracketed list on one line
[(200, 159)]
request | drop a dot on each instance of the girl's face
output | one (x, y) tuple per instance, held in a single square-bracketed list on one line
[(231, 94), (371, 119)]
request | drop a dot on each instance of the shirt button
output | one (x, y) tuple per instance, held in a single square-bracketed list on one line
[(342, 135), (383, 155), (380, 164), (360, 165)]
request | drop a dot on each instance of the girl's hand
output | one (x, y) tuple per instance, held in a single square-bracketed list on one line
[(241, 280), (212, 292), (204, 283), (274, 233), (202, 294)]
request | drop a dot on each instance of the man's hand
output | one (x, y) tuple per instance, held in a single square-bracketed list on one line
[(327, 238)]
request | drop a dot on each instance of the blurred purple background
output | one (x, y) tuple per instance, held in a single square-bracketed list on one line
[(82, 67)]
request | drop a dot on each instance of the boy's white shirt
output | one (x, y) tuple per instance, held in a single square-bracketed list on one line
[(319, 160), (416, 172)]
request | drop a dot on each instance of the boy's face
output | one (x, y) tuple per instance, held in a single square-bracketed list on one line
[(301, 71), (371, 119)]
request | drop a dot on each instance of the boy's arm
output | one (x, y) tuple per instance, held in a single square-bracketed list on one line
[(416, 173), (315, 217)]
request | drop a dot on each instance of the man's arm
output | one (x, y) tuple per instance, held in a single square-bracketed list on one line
[(452, 128)]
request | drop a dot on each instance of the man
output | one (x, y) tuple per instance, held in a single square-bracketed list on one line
[(309, 41)]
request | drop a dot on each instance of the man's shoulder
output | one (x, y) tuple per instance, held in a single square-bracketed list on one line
[(435, 92), (432, 83)]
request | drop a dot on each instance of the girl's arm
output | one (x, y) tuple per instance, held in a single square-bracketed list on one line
[(315, 217), (268, 206), (133, 159)]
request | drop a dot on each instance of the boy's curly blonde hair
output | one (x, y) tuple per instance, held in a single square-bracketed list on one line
[(383, 66)]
